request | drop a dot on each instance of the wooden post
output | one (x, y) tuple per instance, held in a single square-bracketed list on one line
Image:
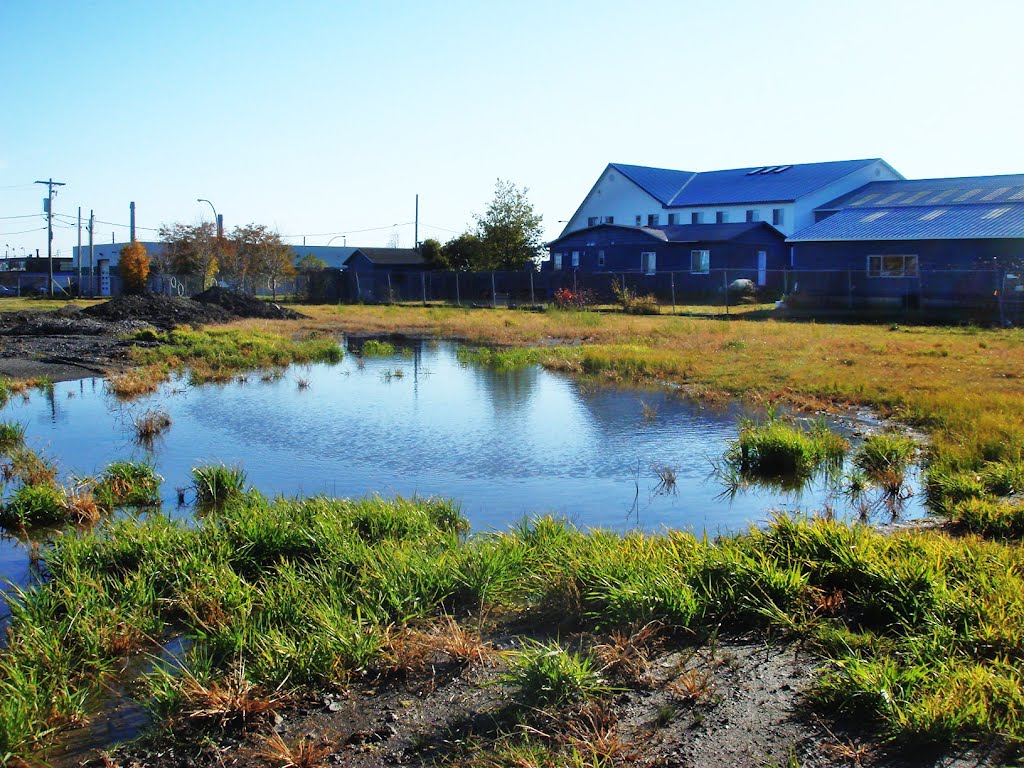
[(358, 292), (494, 294), (423, 285), (533, 299), (849, 289), (458, 301), (725, 286), (672, 276)]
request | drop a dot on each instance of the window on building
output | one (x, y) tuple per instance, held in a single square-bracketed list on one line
[(593, 220), (638, 219), (700, 262), (777, 217), (558, 262), (648, 261), (696, 217), (600, 258), (671, 219), (892, 266), (753, 215), (609, 219), (575, 259), (652, 219), (721, 217)]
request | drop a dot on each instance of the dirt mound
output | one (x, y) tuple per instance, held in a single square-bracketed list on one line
[(243, 305), (161, 311)]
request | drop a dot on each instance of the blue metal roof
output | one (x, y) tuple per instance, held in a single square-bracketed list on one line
[(683, 233), (758, 184), (966, 190), (932, 222), (779, 183), (661, 183)]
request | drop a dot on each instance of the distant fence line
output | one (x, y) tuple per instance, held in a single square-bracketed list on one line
[(987, 292)]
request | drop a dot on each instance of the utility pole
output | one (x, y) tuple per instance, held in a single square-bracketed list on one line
[(79, 250), (416, 227), (50, 184), (131, 213), (92, 266)]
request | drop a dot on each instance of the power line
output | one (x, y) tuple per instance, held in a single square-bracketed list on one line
[(22, 232), (22, 216)]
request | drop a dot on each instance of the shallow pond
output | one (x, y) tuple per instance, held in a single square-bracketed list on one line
[(504, 443)]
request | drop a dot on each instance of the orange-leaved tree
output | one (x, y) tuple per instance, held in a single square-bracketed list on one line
[(134, 266)]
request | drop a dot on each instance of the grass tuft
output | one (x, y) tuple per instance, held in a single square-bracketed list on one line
[(217, 484)]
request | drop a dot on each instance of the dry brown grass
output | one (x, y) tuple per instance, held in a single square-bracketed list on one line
[(137, 382), (413, 649), (304, 753), (230, 701), (628, 656), (82, 508), (149, 424)]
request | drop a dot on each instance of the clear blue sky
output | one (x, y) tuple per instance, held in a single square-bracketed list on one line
[(322, 117)]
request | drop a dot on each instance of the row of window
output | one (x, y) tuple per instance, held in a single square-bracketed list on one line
[(700, 263), (696, 217)]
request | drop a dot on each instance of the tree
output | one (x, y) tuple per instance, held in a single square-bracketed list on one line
[(134, 267), (510, 231), (309, 264), (191, 249), (433, 254), (257, 254), (463, 253)]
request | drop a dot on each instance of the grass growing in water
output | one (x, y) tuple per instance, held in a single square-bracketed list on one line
[(127, 484), (12, 436), (781, 452), (149, 425), (498, 359), (216, 484), (377, 348)]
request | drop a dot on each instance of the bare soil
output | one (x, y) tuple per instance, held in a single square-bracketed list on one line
[(72, 343), (749, 709)]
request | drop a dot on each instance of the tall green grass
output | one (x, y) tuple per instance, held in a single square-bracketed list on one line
[(921, 634), (781, 452)]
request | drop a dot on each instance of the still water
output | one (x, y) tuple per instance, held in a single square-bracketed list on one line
[(504, 443)]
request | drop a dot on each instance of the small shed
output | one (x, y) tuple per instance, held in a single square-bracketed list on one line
[(384, 274)]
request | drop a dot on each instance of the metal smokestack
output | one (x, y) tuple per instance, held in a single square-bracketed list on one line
[(131, 207)]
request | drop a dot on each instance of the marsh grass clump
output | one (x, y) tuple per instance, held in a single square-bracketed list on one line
[(127, 484), (377, 348), (547, 676), (510, 359), (143, 380), (216, 484), (779, 451), (12, 436), (150, 425), (885, 454), (667, 478), (34, 505)]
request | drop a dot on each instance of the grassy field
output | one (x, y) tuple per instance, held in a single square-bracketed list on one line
[(17, 304), (921, 633)]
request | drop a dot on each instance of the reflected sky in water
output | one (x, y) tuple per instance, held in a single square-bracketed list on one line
[(505, 444)]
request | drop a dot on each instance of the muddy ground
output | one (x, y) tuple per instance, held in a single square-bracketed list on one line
[(72, 342), (733, 704)]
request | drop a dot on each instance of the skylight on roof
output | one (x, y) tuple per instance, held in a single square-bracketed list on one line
[(995, 213), (932, 215), (890, 198), (916, 196), (996, 193), (1018, 195), (873, 216), (941, 196), (966, 195), (865, 199), (782, 168), (755, 170)]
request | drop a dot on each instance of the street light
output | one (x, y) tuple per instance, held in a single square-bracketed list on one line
[(216, 218), (343, 242)]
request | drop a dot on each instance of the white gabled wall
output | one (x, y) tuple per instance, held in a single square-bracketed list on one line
[(806, 205), (615, 195)]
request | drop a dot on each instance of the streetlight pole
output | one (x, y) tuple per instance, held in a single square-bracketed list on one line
[(216, 218), (345, 240)]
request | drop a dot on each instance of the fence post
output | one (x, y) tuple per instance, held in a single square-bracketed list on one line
[(533, 300), (458, 301), (849, 289), (423, 285), (672, 276), (574, 289), (391, 296), (358, 292), (725, 287), (494, 294)]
